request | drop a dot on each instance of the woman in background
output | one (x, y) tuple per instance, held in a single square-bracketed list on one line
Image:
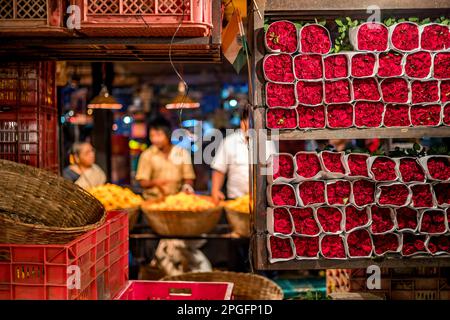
[(82, 169)]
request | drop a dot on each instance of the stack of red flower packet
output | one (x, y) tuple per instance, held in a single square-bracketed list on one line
[(396, 77), (334, 205)]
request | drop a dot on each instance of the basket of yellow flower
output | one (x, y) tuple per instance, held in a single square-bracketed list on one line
[(182, 214), (114, 197), (238, 215)]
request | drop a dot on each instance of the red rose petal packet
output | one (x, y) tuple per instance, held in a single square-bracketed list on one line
[(282, 221), (309, 93), (332, 247), (359, 244), (396, 194), (368, 114), (338, 91), (278, 118), (333, 162), (336, 66), (425, 91), (372, 36), (407, 219), (397, 115), (395, 90), (363, 192), (363, 65), (366, 89), (435, 37), (304, 221), (278, 68), (308, 164), (283, 195), (311, 117), (314, 39), (308, 66), (338, 192), (355, 217), (383, 169), (280, 95), (445, 91), (390, 64), (422, 195), (410, 170), (439, 167), (433, 222), (405, 36), (283, 166), (418, 64), (312, 192), (382, 220), (384, 243), (439, 244), (357, 164), (413, 244), (280, 248), (340, 115), (306, 247), (330, 218), (282, 36), (442, 192), (442, 65)]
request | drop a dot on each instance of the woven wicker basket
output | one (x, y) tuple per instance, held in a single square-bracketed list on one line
[(247, 286), (239, 222), (182, 223), (39, 207), (133, 215)]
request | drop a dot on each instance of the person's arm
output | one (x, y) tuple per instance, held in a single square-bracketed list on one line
[(218, 179)]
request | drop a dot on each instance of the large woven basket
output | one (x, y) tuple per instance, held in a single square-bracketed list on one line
[(133, 215), (239, 222), (39, 207), (247, 286), (182, 223)]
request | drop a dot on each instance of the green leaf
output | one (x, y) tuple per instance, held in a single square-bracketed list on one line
[(417, 147), (339, 22), (266, 27), (425, 21), (348, 19), (298, 25), (337, 48), (388, 22), (401, 20), (413, 19), (323, 22)]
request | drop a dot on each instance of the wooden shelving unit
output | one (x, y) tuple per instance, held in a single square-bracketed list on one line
[(324, 9)]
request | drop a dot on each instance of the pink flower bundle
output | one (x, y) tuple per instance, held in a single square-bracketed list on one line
[(383, 169), (336, 66), (442, 65), (396, 115), (372, 36), (281, 248), (314, 39), (442, 192), (332, 247), (283, 195), (437, 244), (338, 192), (306, 247), (418, 64), (308, 66), (384, 243), (282, 36), (425, 91), (445, 91), (357, 164), (283, 166), (278, 118), (426, 115), (282, 221), (405, 36), (355, 217), (310, 93), (363, 65), (382, 220), (396, 194), (368, 114), (312, 192), (446, 114), (304, 221), (435, 37), (363, 192), (308, 164), (439, 168), (278, 68), (395, 90), (390, 64), (330, 218), (340, 115), (366, 89), (422, 196), (433, 222), (311, 117), (410, 170), (413, 244), (333, 162), (406, 218), (359, 243), (280, 95), (338, 91)]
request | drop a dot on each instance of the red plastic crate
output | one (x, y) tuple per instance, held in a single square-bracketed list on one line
[(28, 114), (40, 271), (177, 290)]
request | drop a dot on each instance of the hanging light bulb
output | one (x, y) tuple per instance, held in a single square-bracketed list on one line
[(104, 101), (182, 100)]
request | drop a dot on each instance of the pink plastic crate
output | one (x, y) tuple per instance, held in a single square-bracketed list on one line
[(178, 290), (40, 271)]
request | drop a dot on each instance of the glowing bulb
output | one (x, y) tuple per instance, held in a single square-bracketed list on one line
[(233, 103), (127, 119), (115, 127)]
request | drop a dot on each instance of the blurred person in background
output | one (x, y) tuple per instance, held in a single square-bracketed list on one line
[(82, 169)]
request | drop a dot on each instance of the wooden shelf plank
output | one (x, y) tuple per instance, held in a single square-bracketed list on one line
[(355, 133)]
